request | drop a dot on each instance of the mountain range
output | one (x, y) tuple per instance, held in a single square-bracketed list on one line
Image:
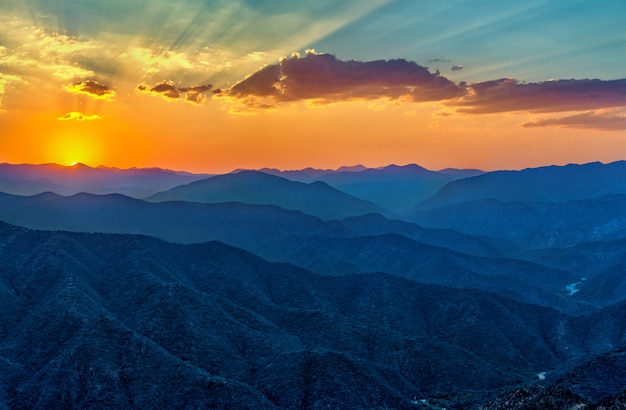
[(391, 287), (27, 179), (107, 320), (253, 187)]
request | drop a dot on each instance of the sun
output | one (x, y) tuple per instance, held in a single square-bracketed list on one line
[(71, 149)]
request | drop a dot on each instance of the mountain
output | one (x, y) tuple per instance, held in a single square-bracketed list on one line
[(126, 321), (253, 227), (533, 224), (423, 263), (367, 243), (26, 179), (253, 187), (308, 174), (247, 226), (585, 259), (597, 382), (394, 187), (544, 184)]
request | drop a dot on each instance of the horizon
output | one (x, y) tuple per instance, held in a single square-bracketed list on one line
[(212, 87), (336, 169)]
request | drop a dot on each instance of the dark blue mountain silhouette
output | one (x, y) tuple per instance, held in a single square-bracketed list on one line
[(544, 184), (253, 187)]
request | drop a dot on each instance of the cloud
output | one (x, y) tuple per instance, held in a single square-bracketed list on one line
[(585, 120), (169, 91), (437, 60), (92, 89), (35, 52), (507, 94), (78, 116), (324, 78), (5, 80)]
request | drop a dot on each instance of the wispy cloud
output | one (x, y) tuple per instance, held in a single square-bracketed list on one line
[(35, 52), (507, 94), (92, 89), (5, 80), (585, 120), (78, 116), (169, 91), (325, 78)]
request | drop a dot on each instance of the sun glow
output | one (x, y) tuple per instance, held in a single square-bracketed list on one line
[(72, 149)]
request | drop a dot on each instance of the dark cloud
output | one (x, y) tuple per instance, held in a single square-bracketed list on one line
[(92, 89), (507, 94), (325, 78), (168, 90), (457, 67), (586, 120), (438, 60)]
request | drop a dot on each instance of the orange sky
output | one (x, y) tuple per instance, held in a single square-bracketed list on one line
[(110, 98)]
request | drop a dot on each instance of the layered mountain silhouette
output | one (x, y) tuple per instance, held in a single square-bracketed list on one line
[(27, 179), (102, 320), (360, 244), (253, 187), (533, 224), (393, 187), (543, 184), (313, 288)]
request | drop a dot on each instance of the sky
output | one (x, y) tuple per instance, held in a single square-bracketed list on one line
[(212, 86)]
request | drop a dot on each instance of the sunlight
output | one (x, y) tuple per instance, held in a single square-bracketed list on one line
[(72, 149)]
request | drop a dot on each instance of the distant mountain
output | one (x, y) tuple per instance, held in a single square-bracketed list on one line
[(533, 224), (262, 229), (253, 187), (98, 320), (26, 179), (586, 259), (246, 226), (394, 187), (423, 263), (544, 184), (360, 244)]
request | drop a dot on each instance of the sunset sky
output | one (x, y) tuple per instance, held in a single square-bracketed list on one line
[(210, 86)]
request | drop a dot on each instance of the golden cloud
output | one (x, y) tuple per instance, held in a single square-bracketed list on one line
[(78, 116), (92, 89)]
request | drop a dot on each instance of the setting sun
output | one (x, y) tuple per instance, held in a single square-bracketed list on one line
[(71, 149)]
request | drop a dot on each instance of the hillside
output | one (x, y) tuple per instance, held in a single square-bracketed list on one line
[(533, 224), (97, 319)]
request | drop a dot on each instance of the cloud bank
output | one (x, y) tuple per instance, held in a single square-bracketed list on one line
[(585, 120), (507, 95), (325, 78)]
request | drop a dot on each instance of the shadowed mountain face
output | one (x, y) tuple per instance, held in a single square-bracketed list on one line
[(393, 187), (26, 179), (533, 224), (360, 244), (544, 184), (97, 320), (253, 187)]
